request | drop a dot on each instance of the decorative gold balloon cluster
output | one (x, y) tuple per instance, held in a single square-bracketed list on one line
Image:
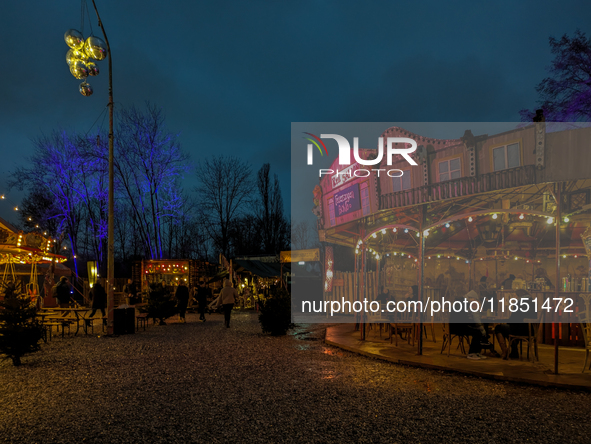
[(81, 55)]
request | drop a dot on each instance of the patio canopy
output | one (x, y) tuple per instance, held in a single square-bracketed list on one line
[(261, 269)]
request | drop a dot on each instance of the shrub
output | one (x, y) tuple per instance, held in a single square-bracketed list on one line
[(20, 332), (275, 313)]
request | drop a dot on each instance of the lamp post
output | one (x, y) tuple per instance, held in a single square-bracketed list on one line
[(80, 60), (111, 236)]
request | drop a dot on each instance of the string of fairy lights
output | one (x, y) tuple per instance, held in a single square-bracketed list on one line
[(50, 241), (521, 215)]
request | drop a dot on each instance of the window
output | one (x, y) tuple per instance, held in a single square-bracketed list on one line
[(365, 199), (505, 157), (402, 182), (331, 212), (450, 169)]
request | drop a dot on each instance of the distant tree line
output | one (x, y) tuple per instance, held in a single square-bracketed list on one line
[(232, 210)]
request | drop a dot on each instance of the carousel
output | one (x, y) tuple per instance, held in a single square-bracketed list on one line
[(18, 249)]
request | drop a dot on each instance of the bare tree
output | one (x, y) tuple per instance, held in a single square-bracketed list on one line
[(273, 226), (224, 192), (565, 95), (303, 235)]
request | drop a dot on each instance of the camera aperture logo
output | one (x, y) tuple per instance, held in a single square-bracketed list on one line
[(354, 170)]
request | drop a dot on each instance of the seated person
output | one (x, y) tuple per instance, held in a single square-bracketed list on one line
[(516, 326), (412, 294), (486, 292), (469, 324), (507, 284)]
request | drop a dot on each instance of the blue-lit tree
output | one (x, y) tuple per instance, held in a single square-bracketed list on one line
[(53, 168), (149, 165)]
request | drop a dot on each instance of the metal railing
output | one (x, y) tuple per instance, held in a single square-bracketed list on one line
[(464, 186)]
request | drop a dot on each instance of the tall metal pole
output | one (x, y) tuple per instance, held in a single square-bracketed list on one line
[(421, 280), (111, 222), (557, 286)]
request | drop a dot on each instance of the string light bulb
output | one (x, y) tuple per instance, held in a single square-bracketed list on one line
[(521, 216), (447, 225), (470, 219), (394, 230), (566, 219), (550, 220), (494, 216)]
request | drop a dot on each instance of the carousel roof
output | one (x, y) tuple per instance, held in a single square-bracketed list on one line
[(26, 248), (511, 223)]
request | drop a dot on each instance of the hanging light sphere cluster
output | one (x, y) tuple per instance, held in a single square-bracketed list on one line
[(80, 57)]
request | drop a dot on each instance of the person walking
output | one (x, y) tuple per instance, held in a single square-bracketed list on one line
[(182, 296), (228, 297), (99, 300), (202, 293)]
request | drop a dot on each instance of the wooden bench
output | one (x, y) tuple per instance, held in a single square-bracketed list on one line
[(63, 323)]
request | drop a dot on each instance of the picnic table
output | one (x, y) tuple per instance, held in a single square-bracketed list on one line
[(78, 315)]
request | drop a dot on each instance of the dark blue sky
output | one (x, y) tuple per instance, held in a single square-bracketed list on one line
[(232, 76)]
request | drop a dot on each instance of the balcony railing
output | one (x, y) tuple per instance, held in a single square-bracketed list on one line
[(464, 186)]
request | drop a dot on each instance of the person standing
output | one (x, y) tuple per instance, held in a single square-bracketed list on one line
[(202, 293), (182, 296), (228, 297), (99, 300), (130, 292), (63, 293)]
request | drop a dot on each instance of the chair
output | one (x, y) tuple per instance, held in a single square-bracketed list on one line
[(584, 318), (531, 339), (448, 338), (586, 328), (404, 324)]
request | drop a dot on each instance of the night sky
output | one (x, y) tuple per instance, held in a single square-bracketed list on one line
[(232, 76)]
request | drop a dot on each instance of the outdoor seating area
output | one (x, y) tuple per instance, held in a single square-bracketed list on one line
[(441, 355)]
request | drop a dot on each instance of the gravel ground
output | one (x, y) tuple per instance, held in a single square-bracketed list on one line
[(200, 382)]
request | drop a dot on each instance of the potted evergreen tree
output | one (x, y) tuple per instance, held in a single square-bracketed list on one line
[(20, 332), (275, 313), (159, 304)]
